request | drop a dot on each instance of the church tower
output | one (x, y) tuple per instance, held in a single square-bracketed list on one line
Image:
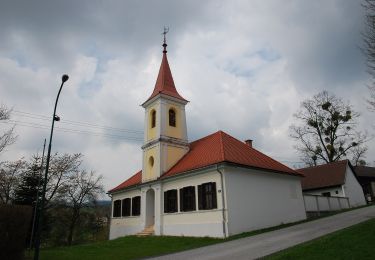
[(165, 131)]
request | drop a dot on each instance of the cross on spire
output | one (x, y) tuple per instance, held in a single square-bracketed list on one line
[(166, 30)]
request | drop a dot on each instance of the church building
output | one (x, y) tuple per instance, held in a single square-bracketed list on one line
[(216, 186)]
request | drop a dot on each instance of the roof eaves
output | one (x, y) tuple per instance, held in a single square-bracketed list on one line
[(298, 174), (322, 187)]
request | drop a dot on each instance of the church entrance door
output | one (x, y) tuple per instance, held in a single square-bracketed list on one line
[(150, 207)]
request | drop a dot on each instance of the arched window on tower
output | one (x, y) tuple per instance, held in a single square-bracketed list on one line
[(153, 118), (172, 117)]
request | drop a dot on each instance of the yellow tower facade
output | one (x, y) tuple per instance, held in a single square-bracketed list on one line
[(165, 131)]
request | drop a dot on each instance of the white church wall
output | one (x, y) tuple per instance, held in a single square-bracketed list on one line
[(353, 189), (123, 226), (258, 199), (198, 222)]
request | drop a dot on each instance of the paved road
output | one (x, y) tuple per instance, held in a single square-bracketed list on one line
[(271, 242)]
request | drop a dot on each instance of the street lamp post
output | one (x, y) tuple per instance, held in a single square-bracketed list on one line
[(40, 222)]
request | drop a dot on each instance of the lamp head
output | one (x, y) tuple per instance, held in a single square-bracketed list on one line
[(65, 78)]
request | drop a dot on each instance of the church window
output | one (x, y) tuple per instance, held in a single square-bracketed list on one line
[(207, 196), (170, 201), (126, 207), (117, 208), (153, 118), (136, 206), (187, 198), (151, 161), (172, 117)]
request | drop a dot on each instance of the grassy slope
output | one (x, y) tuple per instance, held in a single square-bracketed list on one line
[(130, 247), (356, 242), (138, 247)]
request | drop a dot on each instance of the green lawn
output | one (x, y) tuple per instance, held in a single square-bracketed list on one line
[(130, 247), (356, 242), (133, 247)]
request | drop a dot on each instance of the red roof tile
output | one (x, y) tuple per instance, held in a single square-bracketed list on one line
[(164, 83), (221, 147), (215, 148), (326, 175), (134, 180)]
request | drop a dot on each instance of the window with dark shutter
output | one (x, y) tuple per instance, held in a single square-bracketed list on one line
[(136, 206), (207, 196), (187, 199), (117, 208), (172, 117), (153, 118), (170, 201), (126, 207)]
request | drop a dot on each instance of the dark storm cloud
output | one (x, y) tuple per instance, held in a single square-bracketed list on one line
[(47, 33)]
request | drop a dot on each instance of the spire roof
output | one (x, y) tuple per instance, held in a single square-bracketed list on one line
[(164, 83)]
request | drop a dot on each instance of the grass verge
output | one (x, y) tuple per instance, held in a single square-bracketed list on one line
[(132, 247), (355, 242), (129, 247)]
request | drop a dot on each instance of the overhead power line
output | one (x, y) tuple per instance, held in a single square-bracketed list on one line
[(76, 123), (70, 130)]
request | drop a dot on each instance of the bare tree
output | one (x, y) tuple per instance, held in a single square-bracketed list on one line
[(61, 169), (10, 176), (6, 138), (369, 48), (327, 130), (82, 188), (359, 155)]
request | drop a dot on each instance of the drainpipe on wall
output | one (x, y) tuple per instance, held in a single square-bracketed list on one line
[(222, 199), (110, 216)]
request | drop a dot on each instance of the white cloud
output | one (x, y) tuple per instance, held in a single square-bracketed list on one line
[(245, 66)]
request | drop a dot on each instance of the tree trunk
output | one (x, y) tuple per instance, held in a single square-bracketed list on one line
[(72, 227)]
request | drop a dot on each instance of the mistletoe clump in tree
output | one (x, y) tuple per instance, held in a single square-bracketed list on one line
[(327, 131)]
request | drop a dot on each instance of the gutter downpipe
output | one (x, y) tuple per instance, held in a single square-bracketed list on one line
[(222, 199), (110, 216)]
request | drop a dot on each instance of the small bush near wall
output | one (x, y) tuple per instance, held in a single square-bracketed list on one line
[(14, 224)]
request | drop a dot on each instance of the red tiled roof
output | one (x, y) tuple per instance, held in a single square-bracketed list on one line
[(221, 147), (164, 83), (216, 148), (134, 180), (326, 175)]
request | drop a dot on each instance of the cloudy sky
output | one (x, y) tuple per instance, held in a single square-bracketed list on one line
[(245, 66)]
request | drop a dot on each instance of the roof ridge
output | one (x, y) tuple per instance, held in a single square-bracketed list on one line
[(222, 151), (251, 148), (322, 165), (205, 137)]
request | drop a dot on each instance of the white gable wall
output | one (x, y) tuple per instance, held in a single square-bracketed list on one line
[(353, 189), (258, 199)]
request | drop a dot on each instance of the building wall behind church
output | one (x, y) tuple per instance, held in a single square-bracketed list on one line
[(334, 191), (122, 226), (353, 189), (259, 199)]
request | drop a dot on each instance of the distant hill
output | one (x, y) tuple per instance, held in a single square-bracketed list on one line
[(103, 202)]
